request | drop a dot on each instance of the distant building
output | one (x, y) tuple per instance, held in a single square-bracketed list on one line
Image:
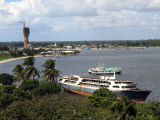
[(29, 46), (67, 51), (68, 47), (54, 45)]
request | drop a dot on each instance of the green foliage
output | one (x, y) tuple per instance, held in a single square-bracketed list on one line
[(5, 56), (47, 88), (124, 107), (7, 88), (104, 92), (9, 93), (73, 107), (32, 71), (19, 73), (29, 61), (4, 48), (32, 52), (29, 85), (102, 97), (49, 64), (55, 107), (6, 79), (50, 73), (20, 94), (17, 53), (28, 52), (149, 111), (76, 52), (61, 45), (94, 100), (6, 99), (16, 111)]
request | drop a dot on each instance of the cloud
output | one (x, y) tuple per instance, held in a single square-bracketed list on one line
[(67, 15)]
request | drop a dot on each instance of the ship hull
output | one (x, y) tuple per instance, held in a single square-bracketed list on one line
[(137, 94), (97, 73), (102, 73)]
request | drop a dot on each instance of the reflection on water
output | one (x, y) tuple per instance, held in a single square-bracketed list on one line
[(141, 66)]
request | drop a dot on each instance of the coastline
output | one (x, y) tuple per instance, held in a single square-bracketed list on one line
[(12, 59), (36, 56), (19, 58)]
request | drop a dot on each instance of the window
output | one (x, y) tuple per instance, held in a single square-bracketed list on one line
[(115, 86)]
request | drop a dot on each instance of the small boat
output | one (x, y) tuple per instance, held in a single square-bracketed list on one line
[(101, 69), (59, 56), (87, 85)]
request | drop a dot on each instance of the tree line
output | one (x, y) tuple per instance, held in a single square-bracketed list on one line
[(105, 43)]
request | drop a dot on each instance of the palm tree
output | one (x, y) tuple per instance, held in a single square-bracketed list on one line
[(32, 71), (50, 73), (18, 73), (29, 61), (125, 107)]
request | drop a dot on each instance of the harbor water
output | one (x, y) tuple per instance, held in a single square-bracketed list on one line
[(138, 65)]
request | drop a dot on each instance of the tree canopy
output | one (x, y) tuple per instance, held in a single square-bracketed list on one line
[(6, 79)]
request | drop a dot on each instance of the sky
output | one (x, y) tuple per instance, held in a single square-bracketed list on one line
[(72, 20)]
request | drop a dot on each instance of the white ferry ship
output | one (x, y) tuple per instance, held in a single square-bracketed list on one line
[(86, 86)]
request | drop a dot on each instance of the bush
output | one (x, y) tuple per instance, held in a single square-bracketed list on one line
[(6, 79), (6, 99), (151, 109), (4, 48), (20, 94), (104, 92), (28, 52), (55, 107), (47, 88), (102, 97), (7, 89), (29, 85), (16, 111)]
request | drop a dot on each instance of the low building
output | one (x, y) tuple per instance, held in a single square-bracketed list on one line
[(67, 51), (4, 52), (29, 46), (68, 47)]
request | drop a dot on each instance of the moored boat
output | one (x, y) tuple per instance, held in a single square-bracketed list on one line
[(87, 85), (101, 69)]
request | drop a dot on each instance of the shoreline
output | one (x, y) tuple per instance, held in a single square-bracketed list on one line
[(35, 56), (19, 58), (12, 59)]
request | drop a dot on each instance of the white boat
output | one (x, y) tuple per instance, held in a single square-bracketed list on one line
[(101, 69), (87, 85)]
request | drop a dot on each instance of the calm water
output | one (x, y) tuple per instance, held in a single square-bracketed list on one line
[(141, 66)]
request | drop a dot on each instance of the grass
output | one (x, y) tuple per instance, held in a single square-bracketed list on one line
[(5, 57)]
